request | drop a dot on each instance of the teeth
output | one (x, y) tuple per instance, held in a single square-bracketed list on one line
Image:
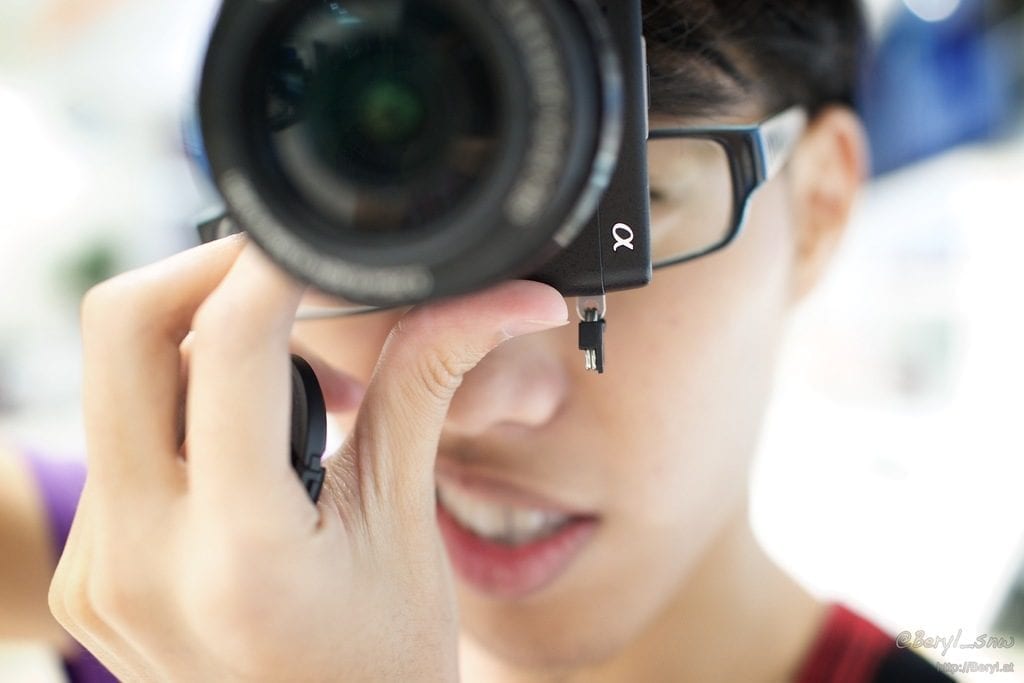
[(506, 524)]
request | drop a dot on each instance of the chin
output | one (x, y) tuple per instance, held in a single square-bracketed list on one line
[(549, 639)]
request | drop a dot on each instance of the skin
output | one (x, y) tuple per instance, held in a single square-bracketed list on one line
[(673, 423), (658, 448)]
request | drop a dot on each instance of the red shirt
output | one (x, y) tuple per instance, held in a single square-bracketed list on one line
[(851, 649)]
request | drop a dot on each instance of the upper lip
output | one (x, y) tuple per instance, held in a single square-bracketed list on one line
[(500, 490)]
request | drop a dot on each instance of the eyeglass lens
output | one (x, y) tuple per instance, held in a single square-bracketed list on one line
[(691, 197)]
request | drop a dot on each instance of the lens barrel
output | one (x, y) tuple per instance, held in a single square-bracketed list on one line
[(391, 151)]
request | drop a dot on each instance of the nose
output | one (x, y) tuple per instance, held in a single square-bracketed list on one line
[(524, 382)]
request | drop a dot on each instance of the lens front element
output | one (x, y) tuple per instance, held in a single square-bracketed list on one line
[(392, 151), (352, 112)]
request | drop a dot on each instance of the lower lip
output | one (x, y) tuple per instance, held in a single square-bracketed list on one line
[(512, 572)]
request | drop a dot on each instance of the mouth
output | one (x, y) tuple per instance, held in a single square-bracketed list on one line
[(505, 543)]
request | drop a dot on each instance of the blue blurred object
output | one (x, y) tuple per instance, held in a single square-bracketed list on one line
[(933, 85), (193, 145)]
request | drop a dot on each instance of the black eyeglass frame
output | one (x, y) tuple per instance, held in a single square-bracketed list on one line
[(756, 153)]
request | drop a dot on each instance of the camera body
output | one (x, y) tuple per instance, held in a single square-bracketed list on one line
[(394, 151), (613, 251)]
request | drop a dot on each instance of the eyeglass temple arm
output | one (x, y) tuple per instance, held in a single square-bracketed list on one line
[(776, 138)]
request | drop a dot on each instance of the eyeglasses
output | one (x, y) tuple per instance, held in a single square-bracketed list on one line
[(701, 179)]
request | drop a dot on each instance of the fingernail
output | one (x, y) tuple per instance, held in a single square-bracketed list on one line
[(520, 328)]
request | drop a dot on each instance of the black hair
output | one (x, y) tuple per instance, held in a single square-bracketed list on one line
[(706, 55)]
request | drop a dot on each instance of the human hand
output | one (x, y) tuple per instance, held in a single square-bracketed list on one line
[(206, 561)]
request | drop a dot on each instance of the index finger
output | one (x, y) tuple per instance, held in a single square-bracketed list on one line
[(239, 399)]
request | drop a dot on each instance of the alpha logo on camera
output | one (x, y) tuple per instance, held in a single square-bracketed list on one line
[(624, 237)]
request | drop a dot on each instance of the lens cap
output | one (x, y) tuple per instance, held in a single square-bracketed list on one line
[(309, 427)]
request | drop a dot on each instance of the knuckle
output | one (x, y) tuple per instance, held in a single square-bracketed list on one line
[(56, 600), (66, 597), (69, 602), (438, 361), (223, 323), (212, 314), (105, 597), (77, 610), (118, 586), (120, 303), (114, 599), (441, 372), (218, 328), (100, 301)]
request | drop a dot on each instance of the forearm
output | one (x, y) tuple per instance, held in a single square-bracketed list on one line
[(26, 557)]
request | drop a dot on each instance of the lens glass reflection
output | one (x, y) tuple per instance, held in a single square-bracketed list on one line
[(380, 114)]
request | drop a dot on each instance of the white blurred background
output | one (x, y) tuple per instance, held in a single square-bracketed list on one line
[(893, 466)]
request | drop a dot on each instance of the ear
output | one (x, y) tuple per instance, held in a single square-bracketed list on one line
[(827, 171)]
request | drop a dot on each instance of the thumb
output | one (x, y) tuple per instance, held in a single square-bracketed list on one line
[(388, 460)]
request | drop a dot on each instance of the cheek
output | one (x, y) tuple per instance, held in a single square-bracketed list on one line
[(694, 358), (662, 440), (678, 416)]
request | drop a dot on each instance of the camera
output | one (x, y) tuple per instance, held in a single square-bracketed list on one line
[(394, 151)]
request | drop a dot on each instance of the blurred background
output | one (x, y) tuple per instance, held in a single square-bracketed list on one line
[(899, 416)]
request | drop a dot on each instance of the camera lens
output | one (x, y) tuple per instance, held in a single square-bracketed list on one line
[(392, 151), (381, 118)]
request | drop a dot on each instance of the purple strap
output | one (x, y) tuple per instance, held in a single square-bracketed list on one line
[(60, 484)]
